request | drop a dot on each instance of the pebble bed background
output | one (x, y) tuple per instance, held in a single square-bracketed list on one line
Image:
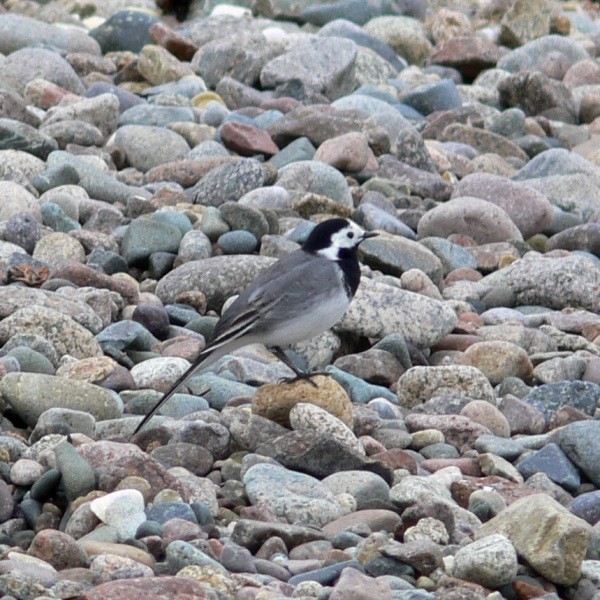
[(150, 169)]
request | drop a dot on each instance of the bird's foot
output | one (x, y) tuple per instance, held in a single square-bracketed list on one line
[(301, 376)]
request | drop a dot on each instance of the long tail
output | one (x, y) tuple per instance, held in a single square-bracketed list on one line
[(204, 356)]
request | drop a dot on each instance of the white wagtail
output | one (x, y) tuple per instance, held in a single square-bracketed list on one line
[(303, 294)]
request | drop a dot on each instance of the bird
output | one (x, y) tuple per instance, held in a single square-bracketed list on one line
[(300, 296)]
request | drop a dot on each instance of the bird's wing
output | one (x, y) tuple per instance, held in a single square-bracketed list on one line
[(259, 294)]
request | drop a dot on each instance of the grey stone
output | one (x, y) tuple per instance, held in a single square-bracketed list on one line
[(323, 64), (31, 394)]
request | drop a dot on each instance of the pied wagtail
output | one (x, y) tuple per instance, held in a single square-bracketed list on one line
[(303, 294)]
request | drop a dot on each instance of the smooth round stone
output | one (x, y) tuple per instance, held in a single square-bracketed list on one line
[(55, 217), (26, 64), (368, 489), (195, 245), (228, 182), (503, 447), (146, 236), (146, 147), (452, 255), (77, 474), (237, 242), (181, 554), (498, 360), (23, 230), (124, 30), (586, 507), (268, 198), (213, 225), (25, 472), (159, 373), (240, 217), (153, 317), (174, 218), (7, 503), (294, 496), (439, 451), (488, 415), (316, 177), (57, 247), (31, 361), (30, 394), (478, 219)]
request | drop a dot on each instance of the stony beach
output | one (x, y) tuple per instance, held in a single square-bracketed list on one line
[(151, 168)]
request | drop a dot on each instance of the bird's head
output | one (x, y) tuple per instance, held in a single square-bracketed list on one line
[(336, 239)]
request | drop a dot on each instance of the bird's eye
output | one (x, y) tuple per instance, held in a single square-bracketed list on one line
[(350, 234)]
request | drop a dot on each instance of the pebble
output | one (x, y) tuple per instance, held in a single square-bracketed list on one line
[(152, 170)]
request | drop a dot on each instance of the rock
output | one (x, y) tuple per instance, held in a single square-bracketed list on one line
[(27, 64), (552, 461), (147, 147), (66, 335), (405, 35), (419, 384), (551, 282), (368, 489), (274, 401), (123, 510), (579, 442), (296, 497), (228, 182), (124, 30), (490, 561), (498, 360), (305, 416), (557, 552), (19, 31), (247, 140), (143, 587), (316, 177), (353, 583), (30, 394), (322, 64), (528, 209), (483, 221), (379, 309), (58, 549)]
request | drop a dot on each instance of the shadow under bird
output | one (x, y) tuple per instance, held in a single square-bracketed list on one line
[(300, 296)]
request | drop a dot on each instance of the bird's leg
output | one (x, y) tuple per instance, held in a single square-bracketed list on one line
[(283, 357)]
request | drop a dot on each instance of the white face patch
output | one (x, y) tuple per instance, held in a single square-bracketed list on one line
[(348, 237)]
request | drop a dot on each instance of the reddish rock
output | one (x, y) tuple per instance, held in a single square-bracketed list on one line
[(349, 152), (463, 274), (455, 341), (458, 430), (142, 588), (126, 460), (377, 519), (461, 490), (186, 172), (468, 54), (82, 276), (45, 94), (467, 466), (352, 584), (394, 458), (57, 549), (178, 45), (247, 140), (181, 346)]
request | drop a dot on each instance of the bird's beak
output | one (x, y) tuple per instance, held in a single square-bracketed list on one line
[(369, 234)]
